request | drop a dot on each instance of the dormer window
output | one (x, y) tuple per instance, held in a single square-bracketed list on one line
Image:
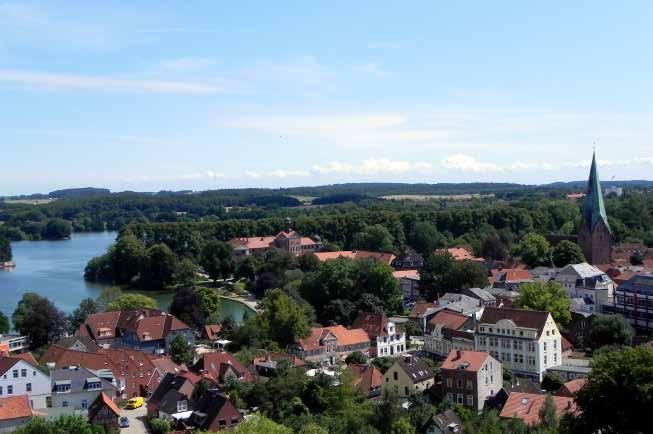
[(182, 406)]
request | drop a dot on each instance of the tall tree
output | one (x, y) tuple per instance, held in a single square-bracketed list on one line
[(609, 330), (493, 248), (39, 319), (5, 250), (108, 296), (546, 296), (425, 238), (247, 268), (187, 305), (57, 229), (86, 307), (4, 323), (132, 302), (441, 273), (617, 397), (375, 238), (127, 258), (180, 352), (534, 250), (217, 259), (566, 252), (159, 269), (282, 319)]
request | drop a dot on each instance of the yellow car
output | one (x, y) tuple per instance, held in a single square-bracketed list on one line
[(134, 402)]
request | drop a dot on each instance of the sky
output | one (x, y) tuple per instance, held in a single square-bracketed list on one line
[(198, 95)]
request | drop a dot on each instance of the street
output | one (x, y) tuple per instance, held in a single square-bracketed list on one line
[(137, 421)]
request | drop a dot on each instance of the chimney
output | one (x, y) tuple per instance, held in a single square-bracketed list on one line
[(458, 355), (569, 405)]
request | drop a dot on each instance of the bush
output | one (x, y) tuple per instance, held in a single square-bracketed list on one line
[(160, 426)]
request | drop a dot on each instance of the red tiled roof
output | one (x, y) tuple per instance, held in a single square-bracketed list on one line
[(461, 254), (367, 378), (15, 407), (473, 359), (106, 321), (566, 345), (252, 242), (420, 307), (104, 399), (212, 364), (571, 387), (277, 357), (343, 336), (408, 274), (386, 258), (513, 275), (28, 357), (527, 406), (6, 363), (373, 323), (212, 331), (449, 319), (305, 241)]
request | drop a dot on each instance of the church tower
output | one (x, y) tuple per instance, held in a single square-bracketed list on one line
[(595, 236)]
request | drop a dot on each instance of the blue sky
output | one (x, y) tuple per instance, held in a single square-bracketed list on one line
[(193, 95)]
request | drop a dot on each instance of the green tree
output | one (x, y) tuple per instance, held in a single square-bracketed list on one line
[(186, 273), (403, 426), (188, 306), (180, 351), (5, 250), (261, 425), (547, 413), (566, 252), (441, 273), (552, 382), (159, 269), (211, 300), (546, 296), (247, 268), (357, 358), (60, 425), (132, 302), (609, 330), (283, 319), (160, 426), (375, 238), (86, 307), (493, 248), (425, 238), (57, 229), (108, 296), (617, 396), (217, 259), (308, 262), (383, 363), (127, 258), (4, 324), (534, 250), (39, 319)]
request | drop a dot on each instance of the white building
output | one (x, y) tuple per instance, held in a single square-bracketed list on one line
[(385, 339), (526, 341), (75, 388), (587, 282), (19, 377)]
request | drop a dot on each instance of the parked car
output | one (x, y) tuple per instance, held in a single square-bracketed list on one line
[(123, 422), (134, 402)]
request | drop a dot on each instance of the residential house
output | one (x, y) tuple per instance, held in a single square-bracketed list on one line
[(461, 303), (288, 240), (571, 369), (461, 253), (448, 330), (211, 332), (570, 388), (483, 296), (526, 341), (330, 345), (408, 260), (511, 278), (409, 283), (469, 378), (13, 344), (588, 283), (15, 411), (78, 343), (222, 367), (419, 312), (213, 412), (149, 330), (385, 339), (21, 376), (368, 379), (172, 396), (268, 364), (105, 413), (76, 388), (385, 258), (446, 422), (634, 300), (527, 406), (408, 375), (505, 297)]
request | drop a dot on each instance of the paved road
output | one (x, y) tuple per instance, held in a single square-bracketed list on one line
[(137, 421)]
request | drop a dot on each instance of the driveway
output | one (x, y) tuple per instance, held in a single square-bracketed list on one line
[(137, 420)]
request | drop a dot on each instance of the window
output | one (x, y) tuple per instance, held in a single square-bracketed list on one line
[(15, 371), (234, 420), (459, 384), (544, 346), (407, 391), (449, 382), (469, 384), (33, 373), (182, 406), (450, 396), (64, 404), (0, 390), (28, 387), (544, 360), (459, 398), (10, 390), (470, 400), (84, 404), (396, 376), (23, 372)]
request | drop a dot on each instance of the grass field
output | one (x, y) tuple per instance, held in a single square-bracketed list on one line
[(425, 197)]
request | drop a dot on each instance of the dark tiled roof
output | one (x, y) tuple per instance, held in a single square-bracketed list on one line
[(6, 363), (78, 379), (641, 283), (373, 323), (533, 319), (417, 370), (69, 341)]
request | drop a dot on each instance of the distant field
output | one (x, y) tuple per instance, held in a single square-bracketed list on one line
[(30, 201), (305, 199), (423, 197)]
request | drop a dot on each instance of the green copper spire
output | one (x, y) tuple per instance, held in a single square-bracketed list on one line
[(593, 209)]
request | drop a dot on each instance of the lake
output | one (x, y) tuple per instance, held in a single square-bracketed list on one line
[(55, 269)]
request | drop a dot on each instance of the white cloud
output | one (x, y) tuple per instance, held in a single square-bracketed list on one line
[(467, 163), (287, 173), (252, 174), (372, 166), (83, 82)]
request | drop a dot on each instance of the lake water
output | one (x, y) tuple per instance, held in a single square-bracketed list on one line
[(55, 269)]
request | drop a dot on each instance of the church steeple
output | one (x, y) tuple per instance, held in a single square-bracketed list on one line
[(593, 208)]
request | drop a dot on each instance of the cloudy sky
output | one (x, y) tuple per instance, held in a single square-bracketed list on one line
[(209, 94)]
